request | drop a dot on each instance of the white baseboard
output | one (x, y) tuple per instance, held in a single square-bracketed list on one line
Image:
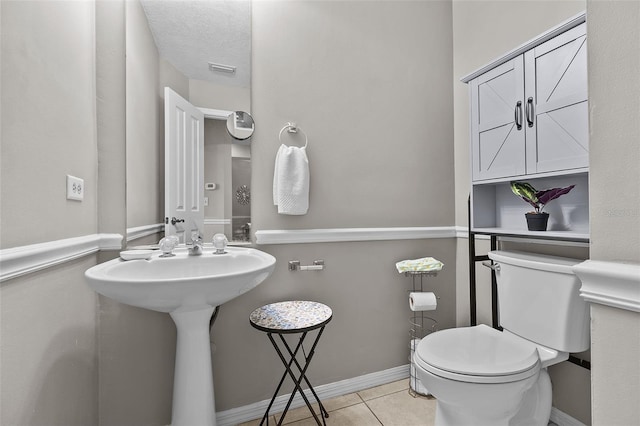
[(330, 390), (563, 419), (256, 410)]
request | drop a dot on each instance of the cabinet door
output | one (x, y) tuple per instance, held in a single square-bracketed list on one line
[(497, 134), (556, 103)]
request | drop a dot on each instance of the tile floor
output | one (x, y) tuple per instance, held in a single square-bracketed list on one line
[(388, 405)]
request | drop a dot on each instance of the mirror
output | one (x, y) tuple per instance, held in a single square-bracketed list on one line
[(240, 125), (202, 50), (227, 174)]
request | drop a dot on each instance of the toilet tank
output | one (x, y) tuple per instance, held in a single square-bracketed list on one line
[(539, 299)]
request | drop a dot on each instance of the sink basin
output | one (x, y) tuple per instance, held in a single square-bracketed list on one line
[(188, 288), (166, 284)]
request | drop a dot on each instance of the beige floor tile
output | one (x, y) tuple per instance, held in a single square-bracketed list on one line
[(401, 409), (256, 422), (331, 404), (355, 415), (386, 389)]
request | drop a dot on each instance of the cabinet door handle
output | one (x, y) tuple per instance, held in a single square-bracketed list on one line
[(530, 112), (518, 115)]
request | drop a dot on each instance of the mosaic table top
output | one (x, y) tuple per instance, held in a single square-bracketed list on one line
[(292, 316)]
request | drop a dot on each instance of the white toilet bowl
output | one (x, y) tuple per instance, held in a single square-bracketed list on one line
[(481, 376)]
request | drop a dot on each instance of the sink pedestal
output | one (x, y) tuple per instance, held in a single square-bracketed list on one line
[(193, 399), (188, 288)]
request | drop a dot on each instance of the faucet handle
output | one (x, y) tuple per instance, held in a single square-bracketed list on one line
[(167, 244), (220, 243)]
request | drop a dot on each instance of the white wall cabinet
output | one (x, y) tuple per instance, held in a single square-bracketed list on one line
[(556, 112), (529, 122), (529, 115), (497, 132)]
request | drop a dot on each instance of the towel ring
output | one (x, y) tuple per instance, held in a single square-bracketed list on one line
[(292, 128)]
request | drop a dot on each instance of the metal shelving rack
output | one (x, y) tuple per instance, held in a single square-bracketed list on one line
[(474, 258), (420, 325)]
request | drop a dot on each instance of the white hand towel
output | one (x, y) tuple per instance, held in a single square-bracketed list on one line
[(291, 180)]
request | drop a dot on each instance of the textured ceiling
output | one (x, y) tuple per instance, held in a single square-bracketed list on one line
[(191, 33)]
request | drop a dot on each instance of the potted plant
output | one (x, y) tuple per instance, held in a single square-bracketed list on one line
[(537, 220)]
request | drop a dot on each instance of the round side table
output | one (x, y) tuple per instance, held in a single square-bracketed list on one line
[(290, 317)]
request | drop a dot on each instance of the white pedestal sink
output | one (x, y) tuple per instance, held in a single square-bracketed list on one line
[(189, 288)]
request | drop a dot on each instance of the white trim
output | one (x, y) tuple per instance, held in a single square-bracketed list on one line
[(297, 236), (18, 261), (463, 232), (615, 284), (217, 221), (256, 410), (563, 419), (215, 114), (547, 35), (143, 231)]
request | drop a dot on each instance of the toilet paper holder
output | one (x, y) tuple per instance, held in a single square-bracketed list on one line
[(294, 265)]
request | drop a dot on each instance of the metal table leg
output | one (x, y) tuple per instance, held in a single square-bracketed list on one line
[(297, 380)]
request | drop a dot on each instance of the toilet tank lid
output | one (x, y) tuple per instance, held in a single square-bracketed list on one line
[(542, 262)]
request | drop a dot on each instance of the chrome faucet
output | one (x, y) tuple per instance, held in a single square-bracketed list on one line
[(196, 244)]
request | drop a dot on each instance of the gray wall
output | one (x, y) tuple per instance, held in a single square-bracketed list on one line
[(48, 341), (614, 102), (49, 348), (48, 75), (370, 328), (370, 84)]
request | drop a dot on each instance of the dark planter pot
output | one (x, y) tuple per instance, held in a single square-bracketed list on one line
[(537, 221)]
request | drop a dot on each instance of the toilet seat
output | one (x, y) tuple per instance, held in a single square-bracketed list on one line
[(477, 354)]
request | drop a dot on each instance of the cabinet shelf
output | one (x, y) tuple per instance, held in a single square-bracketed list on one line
[(548, 235), (496, 210)]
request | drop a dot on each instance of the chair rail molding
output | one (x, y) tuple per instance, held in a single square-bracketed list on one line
[(18, 261), (143, 231), (333, 235), (213, 221), (615, 284)]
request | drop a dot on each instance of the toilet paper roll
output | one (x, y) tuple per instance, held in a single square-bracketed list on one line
[(422, 301)]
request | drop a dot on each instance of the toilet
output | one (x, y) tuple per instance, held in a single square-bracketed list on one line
[(481, 376)]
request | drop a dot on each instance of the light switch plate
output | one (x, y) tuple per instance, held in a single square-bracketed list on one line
[(75, 188)]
